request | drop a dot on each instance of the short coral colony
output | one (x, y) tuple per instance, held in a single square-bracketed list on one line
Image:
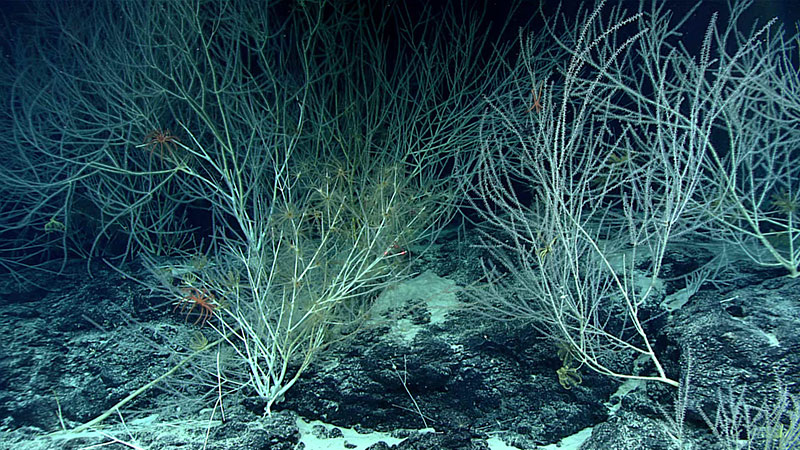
[(400, 224)]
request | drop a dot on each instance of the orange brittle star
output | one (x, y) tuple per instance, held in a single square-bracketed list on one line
[(537, 105)]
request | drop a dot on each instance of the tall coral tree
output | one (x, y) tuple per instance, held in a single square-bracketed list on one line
[(312, 162)]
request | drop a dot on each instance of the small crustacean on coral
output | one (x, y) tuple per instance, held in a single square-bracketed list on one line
[(163, 141), (201, 300)]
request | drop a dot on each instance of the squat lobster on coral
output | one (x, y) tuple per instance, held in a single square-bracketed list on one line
[(163, 140), (197, 299)]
